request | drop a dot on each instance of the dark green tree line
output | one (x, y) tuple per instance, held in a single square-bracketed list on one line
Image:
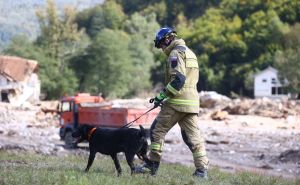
[(109, 48)]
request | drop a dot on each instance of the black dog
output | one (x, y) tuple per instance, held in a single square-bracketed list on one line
[(110, 141)]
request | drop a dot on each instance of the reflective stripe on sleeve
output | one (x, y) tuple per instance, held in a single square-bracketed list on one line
[(172, 89), (183, 102), (156, 146)]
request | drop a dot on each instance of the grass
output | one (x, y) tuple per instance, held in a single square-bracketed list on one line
[(27, 168)]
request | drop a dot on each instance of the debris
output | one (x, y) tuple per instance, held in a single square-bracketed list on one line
[(261, 156), (215, 133), (211, 142), (172, 141), (224, 142), (290, 156), (211, 99), (244, 124), (264, 107), (266, 166), (219, 115)]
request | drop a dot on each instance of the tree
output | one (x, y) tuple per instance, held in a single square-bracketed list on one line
[(60, 41), (233, 41), (288, 60), (110, 66), (108, 15), (141, 29), (220, 48), (138, 31)]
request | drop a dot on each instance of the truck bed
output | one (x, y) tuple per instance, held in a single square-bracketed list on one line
[(115, 117)]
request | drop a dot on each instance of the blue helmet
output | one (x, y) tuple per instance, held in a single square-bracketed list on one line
[(162, 34)]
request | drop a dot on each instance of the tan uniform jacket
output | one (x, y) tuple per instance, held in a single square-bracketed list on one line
[(181, 59)]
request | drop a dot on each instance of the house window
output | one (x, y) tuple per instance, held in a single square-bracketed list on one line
[(273, 90), (4, 96), (273, 81), (264, 80), (279, 90)]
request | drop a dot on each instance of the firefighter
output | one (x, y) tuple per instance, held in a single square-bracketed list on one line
[(180, 103)]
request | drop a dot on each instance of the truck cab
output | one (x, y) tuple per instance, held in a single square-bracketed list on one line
[(69, 113)]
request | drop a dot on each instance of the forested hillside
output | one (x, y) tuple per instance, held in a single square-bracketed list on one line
[(18, 17), (108, 48)]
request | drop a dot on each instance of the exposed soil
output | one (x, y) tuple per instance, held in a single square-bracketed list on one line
[(242, 142), (237, 143)]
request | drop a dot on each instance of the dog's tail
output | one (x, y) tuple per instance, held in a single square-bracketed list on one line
[(142, 131)]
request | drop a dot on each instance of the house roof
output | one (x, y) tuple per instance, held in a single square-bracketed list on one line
[(267, 69), (16, 68)]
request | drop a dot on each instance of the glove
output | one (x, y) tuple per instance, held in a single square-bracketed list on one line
[(158, 99)]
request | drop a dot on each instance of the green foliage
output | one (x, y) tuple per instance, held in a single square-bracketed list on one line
[(119, 60), (141, 29), (238, 39), (288, 10), (113, 15), (49, 169), (60, 40), (222, 47), (109, 15), (288, 60), (60, 37), (166, 10), (21, 46), (54, 82), (110, 64)]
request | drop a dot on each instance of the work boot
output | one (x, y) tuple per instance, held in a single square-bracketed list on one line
[(151, 165), (202, 173), (154, 167)]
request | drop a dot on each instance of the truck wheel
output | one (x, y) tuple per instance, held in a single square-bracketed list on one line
[(70, 142)]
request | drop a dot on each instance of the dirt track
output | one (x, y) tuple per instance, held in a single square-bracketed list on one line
[(253, 143)]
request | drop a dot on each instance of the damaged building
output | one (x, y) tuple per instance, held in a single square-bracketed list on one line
[(19, 81)]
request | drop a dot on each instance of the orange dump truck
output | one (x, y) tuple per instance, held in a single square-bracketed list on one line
[(94, 110)]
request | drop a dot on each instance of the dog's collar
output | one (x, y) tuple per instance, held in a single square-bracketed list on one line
[(91, 132)]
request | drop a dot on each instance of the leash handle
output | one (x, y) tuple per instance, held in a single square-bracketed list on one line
[(130, 123)]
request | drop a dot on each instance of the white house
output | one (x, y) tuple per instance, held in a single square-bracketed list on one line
[(267, 84), (19, 80)]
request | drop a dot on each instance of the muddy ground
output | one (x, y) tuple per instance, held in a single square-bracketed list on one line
[(240, 142)]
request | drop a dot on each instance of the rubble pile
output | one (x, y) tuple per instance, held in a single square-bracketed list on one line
[(213, 100), (219, 106), (264, 107), (26, 115), (28, 128)]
